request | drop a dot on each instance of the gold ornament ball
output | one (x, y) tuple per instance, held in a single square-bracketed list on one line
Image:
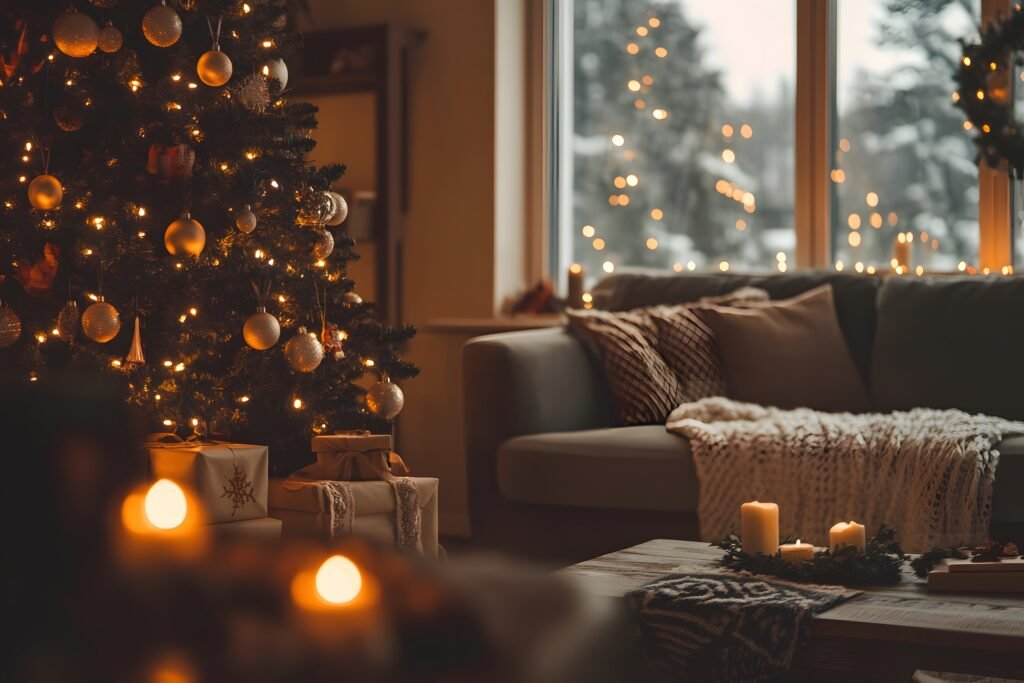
[(110, 39), (76, 34), (245, 220), (101, 322), (104, 3), (278, 70), (304, 352), (261, 330), (340, 209), (214, 68), (385, 399), (185, 236), (67, 321), (162, 26), (45, 192), (10, 326), (69, 117), (324, 245)]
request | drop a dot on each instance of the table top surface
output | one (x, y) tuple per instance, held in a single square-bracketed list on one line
[(905, 612)]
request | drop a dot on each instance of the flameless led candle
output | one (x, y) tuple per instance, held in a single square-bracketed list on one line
[(797, 552), (847, 533), (162, 522), (759, 525)]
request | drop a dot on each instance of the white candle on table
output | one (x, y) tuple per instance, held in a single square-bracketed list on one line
[(797, 552), (847, 533), (759, 527), (574, 299)]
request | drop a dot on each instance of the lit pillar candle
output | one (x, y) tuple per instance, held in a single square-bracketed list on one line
[(797, 552), (901, 249), (759, 527), (847, 533), (574, 298)]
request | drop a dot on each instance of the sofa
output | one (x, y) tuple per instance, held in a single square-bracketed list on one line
[(552, 475)]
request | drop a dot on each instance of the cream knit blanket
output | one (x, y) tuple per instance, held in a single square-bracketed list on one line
[(927, 473)]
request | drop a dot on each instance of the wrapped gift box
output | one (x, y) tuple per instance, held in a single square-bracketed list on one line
[(299, 505), (229, 478), (262, 529)]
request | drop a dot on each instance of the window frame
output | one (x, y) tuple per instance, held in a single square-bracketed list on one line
[(815, 124)]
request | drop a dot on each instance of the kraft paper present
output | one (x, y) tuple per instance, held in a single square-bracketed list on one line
[(262, 529), (229, 478), (298, 504)]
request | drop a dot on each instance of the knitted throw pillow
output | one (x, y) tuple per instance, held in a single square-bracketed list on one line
[(644, 388), (688, 345)]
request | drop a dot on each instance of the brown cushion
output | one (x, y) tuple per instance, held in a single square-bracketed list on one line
[(644, 388), (688, 345), (788, 354)]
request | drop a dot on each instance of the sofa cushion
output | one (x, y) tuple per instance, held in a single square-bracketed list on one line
[(627, 468), (953, 342), (1007, 503), (854, 297)]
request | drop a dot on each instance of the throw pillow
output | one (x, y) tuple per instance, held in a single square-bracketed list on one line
[(688, 345), (644, 388), (788, 354)]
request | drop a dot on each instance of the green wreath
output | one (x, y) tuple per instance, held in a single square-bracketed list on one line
[(985, 83)]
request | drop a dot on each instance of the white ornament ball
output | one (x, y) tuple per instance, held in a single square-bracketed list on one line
[(214, 67), (261, 330), (185, 236), (45, 192), (110, 39), (162, 26), (340, 209), (245, 220), (324, 245), (276, 69), (10, 326), (76, 34), (101, 322), (352, 299), (385, 399), (304, 352)]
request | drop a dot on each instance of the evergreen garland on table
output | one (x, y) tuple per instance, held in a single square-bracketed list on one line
[(136, 138), (879, 564)]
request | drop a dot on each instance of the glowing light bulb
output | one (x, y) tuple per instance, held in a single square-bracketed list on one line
[(166, 506), (338, 580)]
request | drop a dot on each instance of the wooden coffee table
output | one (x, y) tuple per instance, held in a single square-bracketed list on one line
[(881, 635)]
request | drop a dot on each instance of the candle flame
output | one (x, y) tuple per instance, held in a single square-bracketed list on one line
[(165, 505), (338, 580)]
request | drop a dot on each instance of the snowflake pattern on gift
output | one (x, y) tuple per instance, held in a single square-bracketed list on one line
[(239, 490)]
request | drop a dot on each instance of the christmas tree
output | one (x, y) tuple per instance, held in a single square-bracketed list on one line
[(153, 178)]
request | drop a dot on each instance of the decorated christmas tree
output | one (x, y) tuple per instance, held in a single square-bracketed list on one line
[(160, 223)]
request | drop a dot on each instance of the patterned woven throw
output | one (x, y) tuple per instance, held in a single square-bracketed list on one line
[(927, 473), (712, 625)]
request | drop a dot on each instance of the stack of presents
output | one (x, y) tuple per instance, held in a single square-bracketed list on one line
[(357, 486)]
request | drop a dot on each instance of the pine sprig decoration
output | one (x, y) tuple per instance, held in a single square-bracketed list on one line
[(879, 564)]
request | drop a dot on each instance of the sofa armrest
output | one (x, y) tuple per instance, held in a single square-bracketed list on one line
[(524, 383)]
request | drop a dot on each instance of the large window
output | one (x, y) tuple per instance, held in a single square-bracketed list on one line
[(679, 140)]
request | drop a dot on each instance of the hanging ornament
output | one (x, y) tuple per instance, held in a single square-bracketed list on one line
[(254, 94), (340, 209), (304, 351), (323, 245), (37, 278), (185, 236), (110, 39), (315, 208), (10, 325), (261, 330), (333, 340), (45, 192), (69, 116), (67, 321), (104, 3), (276, 70), (135, 356), (214, 67), (385, 398), (101, 322), (162, 26), (351, 299), (170, 162), (75, 33), (245, 220)]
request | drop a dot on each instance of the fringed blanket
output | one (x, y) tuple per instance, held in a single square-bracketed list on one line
[(928, 473), (698, 624)]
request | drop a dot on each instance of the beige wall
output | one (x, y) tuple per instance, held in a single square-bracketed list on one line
[(450, 251)]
